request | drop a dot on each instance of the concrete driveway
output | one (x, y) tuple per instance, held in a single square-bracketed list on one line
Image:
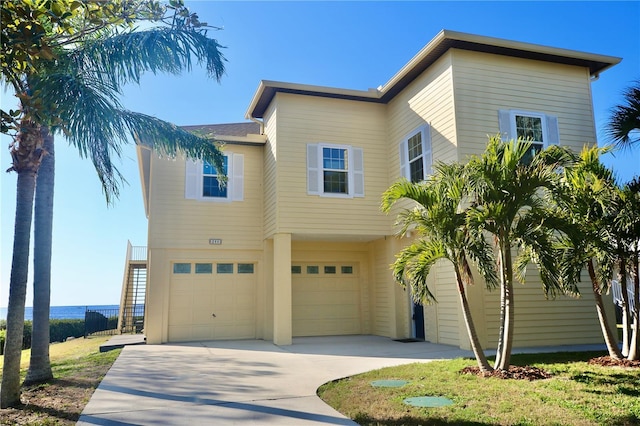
[(241, 382)]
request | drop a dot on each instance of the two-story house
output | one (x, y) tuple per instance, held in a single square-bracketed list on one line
[(295, 243)]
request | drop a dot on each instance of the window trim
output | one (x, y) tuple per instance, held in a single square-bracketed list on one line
[(427, 152)]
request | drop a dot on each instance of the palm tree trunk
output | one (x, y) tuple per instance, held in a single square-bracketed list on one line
[(612, 347), (481, 358), (40, 364), (503, 358), (625, 305), (634, 347), (10, 388)]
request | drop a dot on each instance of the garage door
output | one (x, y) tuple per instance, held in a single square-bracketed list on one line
[(326, 299), (212, 301)]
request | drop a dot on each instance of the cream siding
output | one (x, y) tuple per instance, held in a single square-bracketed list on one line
[(486, 83), (181, 223), (305, 120), (270, 173)]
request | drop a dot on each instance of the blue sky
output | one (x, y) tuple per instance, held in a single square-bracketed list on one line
[(354, 45)]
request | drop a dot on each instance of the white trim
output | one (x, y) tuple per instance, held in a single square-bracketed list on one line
[(550, 130), (427, 152)]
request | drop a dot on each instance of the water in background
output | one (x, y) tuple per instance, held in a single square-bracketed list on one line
[(61, 312)]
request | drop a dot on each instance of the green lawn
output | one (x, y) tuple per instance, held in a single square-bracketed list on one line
[(577, 394)]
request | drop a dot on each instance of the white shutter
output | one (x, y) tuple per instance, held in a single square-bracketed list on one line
[(506, 127), (313, 172), (404, 161), (553, 133), (192, 179), (236, 178), (358, 172), (427, 158)]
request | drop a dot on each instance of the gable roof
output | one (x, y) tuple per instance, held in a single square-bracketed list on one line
[(440, 44)]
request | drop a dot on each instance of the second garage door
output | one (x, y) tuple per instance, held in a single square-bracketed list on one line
[(326, 299), (210, 301)]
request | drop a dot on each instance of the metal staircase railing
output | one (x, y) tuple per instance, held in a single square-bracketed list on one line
[(132, 299)]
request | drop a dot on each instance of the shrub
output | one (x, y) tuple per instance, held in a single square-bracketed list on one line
[(61, 329)]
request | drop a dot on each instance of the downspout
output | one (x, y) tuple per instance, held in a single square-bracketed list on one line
[(255, 120)]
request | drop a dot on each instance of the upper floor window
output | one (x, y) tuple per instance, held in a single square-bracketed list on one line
[(211, 185), (335, 170), (415, 155), (538, 128), (203, 181)]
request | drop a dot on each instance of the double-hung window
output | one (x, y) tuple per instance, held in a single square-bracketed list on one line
[(415, 155), (541, 130), (204, 183), (212, 187), (335, 170)]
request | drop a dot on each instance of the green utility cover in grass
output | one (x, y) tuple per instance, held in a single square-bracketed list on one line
[(428, 401), (388, 383)]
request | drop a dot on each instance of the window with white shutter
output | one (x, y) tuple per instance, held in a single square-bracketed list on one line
[(335, 170), (203, 183), (538, 128), (415, 154)]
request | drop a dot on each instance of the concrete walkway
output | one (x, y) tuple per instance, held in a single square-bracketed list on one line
[(246, 382), (241, 382)]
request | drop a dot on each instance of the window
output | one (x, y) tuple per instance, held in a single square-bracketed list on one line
[(335, 170), (346, 269), (202, 181), (224, 268), (245, 268), (329, 269), (313, 270), (538, 128), (296, 269), (204, 268), (181, 268), (415, 155), (211, 185)]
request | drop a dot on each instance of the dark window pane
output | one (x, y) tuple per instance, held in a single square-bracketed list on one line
[(211, 187), (336, 182), (346, 269), (181, 268), (224, 268), (313, 270), (245, 268), (416, 169), (204, 268), (329, 269), (415, 146), (296, 269)]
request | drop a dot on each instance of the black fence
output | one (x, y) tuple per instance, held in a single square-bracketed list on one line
[(101, 322)]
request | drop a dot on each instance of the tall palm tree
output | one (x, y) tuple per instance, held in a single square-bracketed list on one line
[(587, 202), (624, 124), (511, 192), (39, 363), (439, 220), (77, 94)]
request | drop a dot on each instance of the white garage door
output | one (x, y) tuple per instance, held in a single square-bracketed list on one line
[(212, 301), (326, 299)]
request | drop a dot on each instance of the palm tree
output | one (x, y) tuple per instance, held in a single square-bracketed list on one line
[(587, 203), (439, 220), (626, 226), (624, 123), (77, 94), (39, 363), (510, 193)]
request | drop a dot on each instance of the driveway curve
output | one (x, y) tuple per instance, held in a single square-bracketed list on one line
[(242, 382)]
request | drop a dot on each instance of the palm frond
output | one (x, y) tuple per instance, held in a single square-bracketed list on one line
[(624, 124)]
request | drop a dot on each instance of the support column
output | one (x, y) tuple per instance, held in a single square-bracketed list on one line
[(282, 289)]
